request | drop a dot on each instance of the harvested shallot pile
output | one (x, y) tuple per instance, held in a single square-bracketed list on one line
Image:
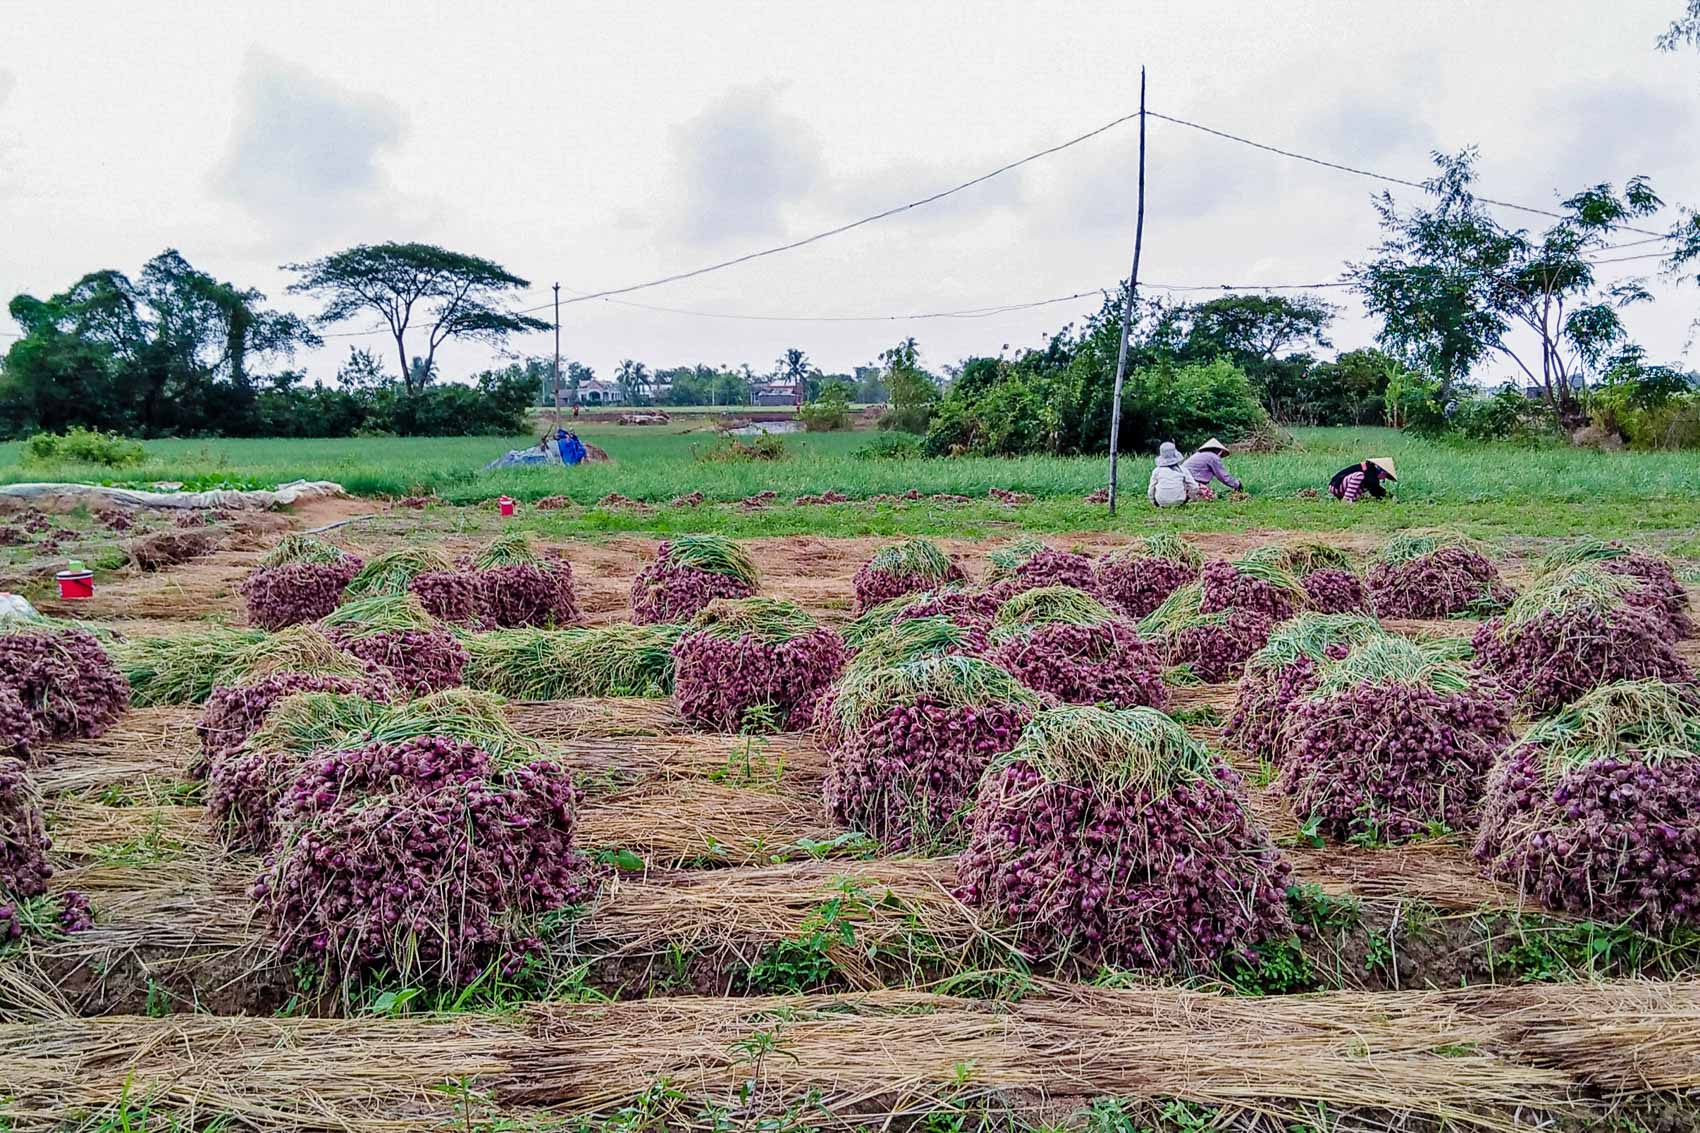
[(519, 584), (1574, 630), (395, 637), (1114, 837), (1328, 575), (233, 712), (447, 593), (300, 580), (1063, 642), (426, 860), (1435, 574), (967, 608), (1135, 579), (754, 664), (1252, 583), (1207, 647), (62, 679), (24, 869), (244, 787), (1394, 741), (1659, 589), (909, 567), (688, 573), (1285, 669), (1592, 812), (908, 742), (1028, 564)]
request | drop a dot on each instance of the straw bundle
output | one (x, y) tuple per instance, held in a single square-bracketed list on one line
[(185, 668)]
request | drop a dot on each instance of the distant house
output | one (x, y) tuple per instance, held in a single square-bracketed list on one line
[(599, 392), (774, 393)]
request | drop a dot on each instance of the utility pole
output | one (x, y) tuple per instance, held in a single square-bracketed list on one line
[(1127, 306), (555, 380)]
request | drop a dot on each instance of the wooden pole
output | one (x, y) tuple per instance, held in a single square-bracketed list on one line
[(1127, 305), (555, 377)]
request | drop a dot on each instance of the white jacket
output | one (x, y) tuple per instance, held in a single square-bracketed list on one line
[(1170, 487)]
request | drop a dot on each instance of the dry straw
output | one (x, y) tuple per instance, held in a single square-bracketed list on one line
[(185, 668), (1483, 1059)]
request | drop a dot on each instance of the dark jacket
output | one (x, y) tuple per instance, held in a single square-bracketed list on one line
[(1373, 476)]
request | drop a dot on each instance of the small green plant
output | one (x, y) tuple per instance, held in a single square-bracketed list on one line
[(890, 446), (78, 445)]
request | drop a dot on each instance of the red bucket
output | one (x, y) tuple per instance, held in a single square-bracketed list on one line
[(505, 505), (76, 583)]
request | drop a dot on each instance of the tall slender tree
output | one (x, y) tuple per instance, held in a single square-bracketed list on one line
[(447, 294)]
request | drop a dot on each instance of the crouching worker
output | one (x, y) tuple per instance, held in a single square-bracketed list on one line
[(1171, 484), (1362, 479), (1206, 466)]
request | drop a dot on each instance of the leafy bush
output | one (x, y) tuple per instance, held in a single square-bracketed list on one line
[(1674, 423), (1505, 416), (890, 446), (728, 449), (829, 411), (84, 446)]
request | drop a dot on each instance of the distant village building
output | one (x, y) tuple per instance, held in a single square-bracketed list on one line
[(773, 393), (599, 392)]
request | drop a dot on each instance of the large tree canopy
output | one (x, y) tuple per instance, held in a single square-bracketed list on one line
[(167, 352), (449, 294), (1452, 284)]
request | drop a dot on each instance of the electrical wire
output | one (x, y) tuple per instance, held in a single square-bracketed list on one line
[(1370, 173)]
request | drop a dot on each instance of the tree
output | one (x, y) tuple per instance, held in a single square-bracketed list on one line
[(1684, 29), (1250, 327), (794, 369), (167, 352), (362, 371), (1451, 285), (633, 378), (452, 294), (914, 392)]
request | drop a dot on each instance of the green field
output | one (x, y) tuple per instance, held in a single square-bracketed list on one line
[(1491, 489)]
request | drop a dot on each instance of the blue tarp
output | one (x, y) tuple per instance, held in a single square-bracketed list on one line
[(567, 449)]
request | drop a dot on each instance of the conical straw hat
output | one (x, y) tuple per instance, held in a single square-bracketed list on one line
[(1385, 463)]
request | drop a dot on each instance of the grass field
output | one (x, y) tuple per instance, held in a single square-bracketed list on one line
[(1492, 489)]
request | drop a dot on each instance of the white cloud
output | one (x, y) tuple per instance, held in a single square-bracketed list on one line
[(741, 162), (305, 154)]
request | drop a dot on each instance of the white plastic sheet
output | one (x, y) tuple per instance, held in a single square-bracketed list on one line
[(284, 496)]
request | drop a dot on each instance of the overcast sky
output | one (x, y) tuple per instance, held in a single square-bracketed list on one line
[(602, 144)]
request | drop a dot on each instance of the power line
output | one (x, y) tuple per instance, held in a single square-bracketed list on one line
[(890, 212), (1352, 169)]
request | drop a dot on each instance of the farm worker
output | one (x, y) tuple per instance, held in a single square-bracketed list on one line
[(1362, 478), (1171, 484), (1205, 465)]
